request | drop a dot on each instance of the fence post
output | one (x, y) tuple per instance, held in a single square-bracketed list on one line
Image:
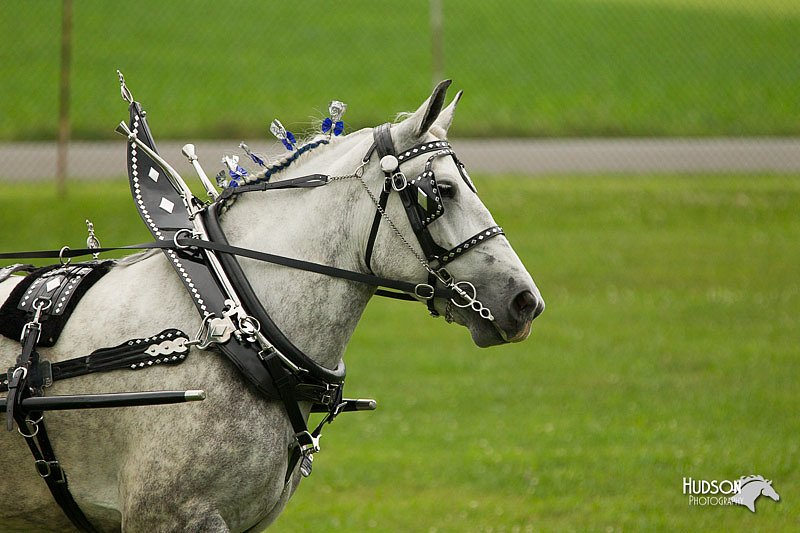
[(437, 41), (63, 97)]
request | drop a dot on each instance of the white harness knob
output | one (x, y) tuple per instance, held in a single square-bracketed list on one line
[(389, 163)]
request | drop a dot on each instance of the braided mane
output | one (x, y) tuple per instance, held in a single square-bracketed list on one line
[(286, 161)]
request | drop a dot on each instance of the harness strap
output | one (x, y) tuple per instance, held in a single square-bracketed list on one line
[(25, 381), (166, 348), (251, 302), (432, 281), (312, 180), (459, 249), (376, 223), (385, 147), (367, 279), (383, 140), (50, 470), (286, 384)]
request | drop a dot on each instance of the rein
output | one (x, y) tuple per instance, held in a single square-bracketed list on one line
[(406, 289)]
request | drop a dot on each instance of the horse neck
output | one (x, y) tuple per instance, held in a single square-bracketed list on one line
[(323, 225)]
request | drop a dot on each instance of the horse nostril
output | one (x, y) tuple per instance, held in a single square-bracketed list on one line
[(527, 306), (539, 308)]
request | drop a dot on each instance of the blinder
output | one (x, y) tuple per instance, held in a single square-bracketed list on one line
[(421, 196)]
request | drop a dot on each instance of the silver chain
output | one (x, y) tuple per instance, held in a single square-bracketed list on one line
[(396, 231), (356, 174)]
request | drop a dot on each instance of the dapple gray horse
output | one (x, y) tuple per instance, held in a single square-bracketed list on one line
[(219, 465)]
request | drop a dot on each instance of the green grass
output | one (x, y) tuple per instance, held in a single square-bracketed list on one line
[(549, 68), (668, 349)]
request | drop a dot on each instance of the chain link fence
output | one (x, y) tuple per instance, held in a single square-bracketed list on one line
[(550, 86)]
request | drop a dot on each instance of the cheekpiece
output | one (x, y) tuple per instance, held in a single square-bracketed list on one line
[(286, 137), (333, 124)]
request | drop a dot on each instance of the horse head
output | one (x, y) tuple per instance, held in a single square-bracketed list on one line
[(452, 231), (768, 490), (750, 488)]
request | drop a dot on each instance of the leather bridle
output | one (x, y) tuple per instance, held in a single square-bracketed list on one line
[(422, 202)]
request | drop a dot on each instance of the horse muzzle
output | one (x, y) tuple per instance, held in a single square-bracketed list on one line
[(513, 321), (525, 307)]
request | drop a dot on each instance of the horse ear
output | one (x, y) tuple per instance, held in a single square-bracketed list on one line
[(445, 119), (423, 118)]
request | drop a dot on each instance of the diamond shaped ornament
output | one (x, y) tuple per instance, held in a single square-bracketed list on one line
[(53, 284), (422, 199), (166, 205)]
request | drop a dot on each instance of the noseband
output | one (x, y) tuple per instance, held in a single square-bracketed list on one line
[(422, 202)]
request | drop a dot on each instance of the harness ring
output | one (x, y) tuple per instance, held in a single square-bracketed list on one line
[(61, 255), (42, 304), (28, 423), (175, 238), (249, 325), (463, 293)]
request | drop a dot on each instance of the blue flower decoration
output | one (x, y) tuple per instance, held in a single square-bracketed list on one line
[(235, 171), (328, 124), (333, 123), (286, 137)]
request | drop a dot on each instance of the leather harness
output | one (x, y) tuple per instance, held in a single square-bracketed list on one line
[(234, 320)]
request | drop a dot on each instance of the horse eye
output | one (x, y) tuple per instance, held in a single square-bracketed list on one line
[(447, 190)]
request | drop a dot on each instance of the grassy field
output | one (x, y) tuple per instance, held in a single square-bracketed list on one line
[(550, 68), (668, 350)]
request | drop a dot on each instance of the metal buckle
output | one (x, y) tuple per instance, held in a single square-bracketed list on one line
[(43, 468), (444, 276), (308, 443), (327, 397), (399, 181), (424, 291)]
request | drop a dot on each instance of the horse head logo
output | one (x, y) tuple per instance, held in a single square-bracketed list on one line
[(750, 488)]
